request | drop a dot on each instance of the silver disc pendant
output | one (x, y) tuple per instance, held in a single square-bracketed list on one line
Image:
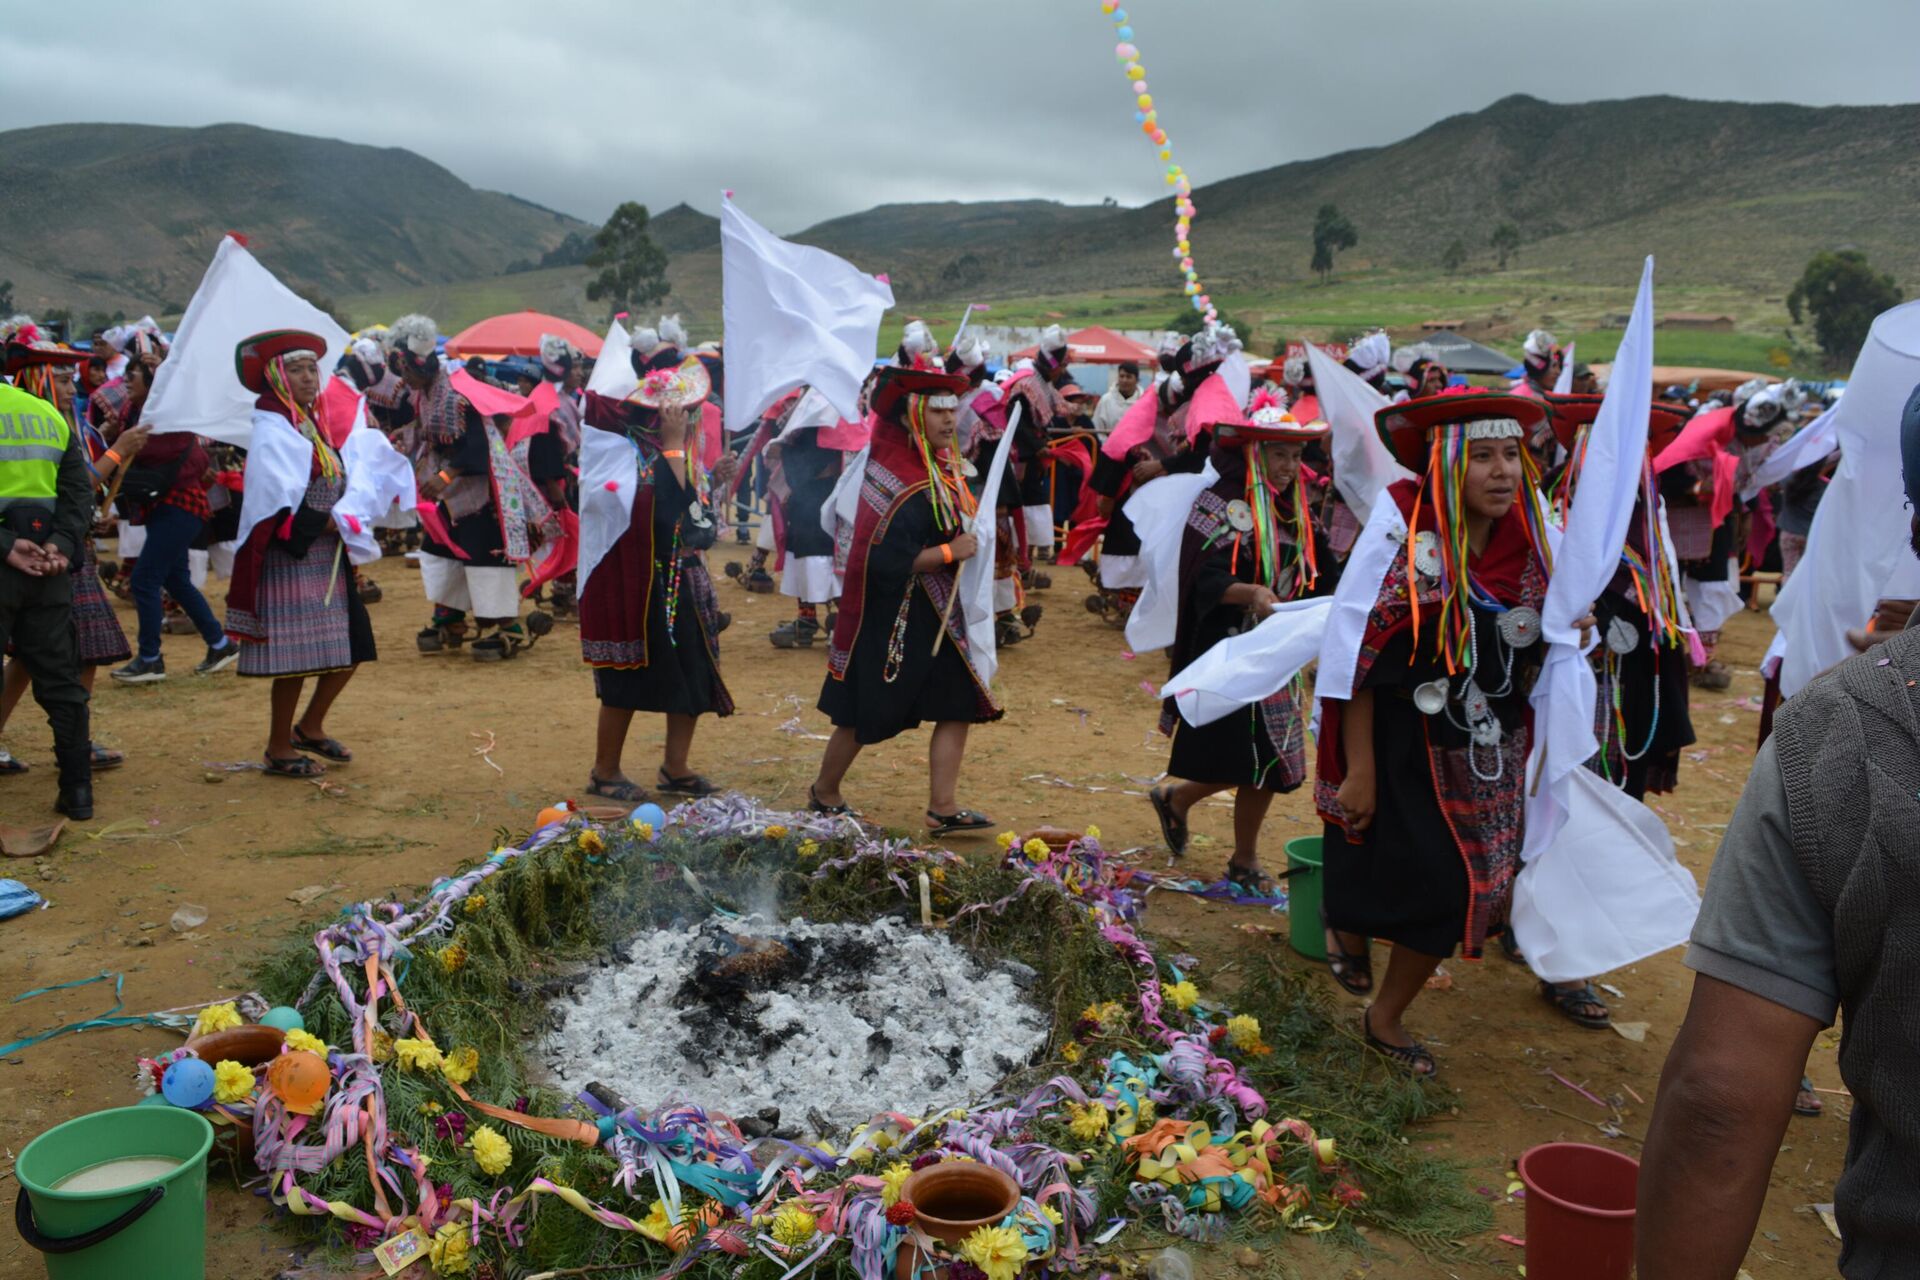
[(1431, 697), (1239, 516), (1473, 700), (697, 514), (1622, 636), (1426, 554), (1520, 627)]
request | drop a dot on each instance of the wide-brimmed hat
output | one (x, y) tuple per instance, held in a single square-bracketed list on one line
[(1574, 410), (1408, 427), (252, 355), (26, 355), (896, 384), (1267, 420), (683, 384)]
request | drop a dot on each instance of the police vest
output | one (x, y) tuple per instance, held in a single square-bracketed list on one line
[(33, 439)]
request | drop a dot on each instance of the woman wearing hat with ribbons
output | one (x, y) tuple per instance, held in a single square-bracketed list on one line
[(1249, 544), (1430, 652), (899, 654), (649, 619), (293, 605)]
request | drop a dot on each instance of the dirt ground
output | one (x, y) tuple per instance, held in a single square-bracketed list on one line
[(447, 752)]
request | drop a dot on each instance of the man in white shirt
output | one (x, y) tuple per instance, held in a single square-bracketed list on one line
[(1119, 397)]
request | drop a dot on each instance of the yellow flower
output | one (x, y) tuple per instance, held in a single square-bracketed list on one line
[(491, 1152), (892, 1179), (216, 1017), (591, 844), (1006, 840), (1093, 833), (938, 875), (1244, 1030), (460, 1065), (311, 1043), (776, 832), (658, 1223), (231, 1081), (475, 904), (1089, 1121), (807, 848), (448, 1252), (1182, 995), (431, 1108), (1147, 1108), (861, 1155), (1053, 1214), (1071, 1052), (452, 957), (998, 1251), (792, 1226), (417, 1055), (381, 1050), (1036, 849), (643, 829)]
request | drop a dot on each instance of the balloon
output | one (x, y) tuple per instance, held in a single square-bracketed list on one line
[(1108, 6), (651, 814), (551, 814), (1125, 52), (1119, 15), (1140, 87), (282, 1018), (299, 1079), (1144, 101), (1125, 33), (188, 1083), (1136, 72)]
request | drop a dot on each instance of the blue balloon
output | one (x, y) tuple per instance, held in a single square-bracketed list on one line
[(651, 814), (1120, 17), (283, 1018), (188, 1083), (1139, 117), (1125, 33)]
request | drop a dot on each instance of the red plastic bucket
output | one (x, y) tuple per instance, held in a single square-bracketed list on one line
[(1579, 1211)]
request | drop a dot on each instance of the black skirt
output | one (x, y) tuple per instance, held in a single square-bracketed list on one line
[(925, 686), (681, 676)]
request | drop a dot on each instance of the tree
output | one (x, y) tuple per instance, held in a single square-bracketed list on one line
[(1189, 321), (1505, 242), (1454, 258), (1331, 233), (1843, 295), (633, 269)]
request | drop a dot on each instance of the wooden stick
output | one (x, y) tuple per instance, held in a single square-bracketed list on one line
[(947, 613)]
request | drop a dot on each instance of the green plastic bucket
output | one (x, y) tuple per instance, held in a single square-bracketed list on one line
[(155, 1228), (1304, 930)]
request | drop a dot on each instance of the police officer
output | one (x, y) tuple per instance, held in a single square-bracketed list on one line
[(46, 508)]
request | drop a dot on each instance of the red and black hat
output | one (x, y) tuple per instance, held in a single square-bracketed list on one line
[(26, 355), (1574, 410), (895, 384), (1408, 427), (252, 355)]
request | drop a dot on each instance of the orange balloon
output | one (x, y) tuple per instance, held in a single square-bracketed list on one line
[(552, 814), (299, 1079)]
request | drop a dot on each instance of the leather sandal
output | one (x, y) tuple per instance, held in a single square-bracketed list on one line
[(1173, 827), (692, 785), (1577, 1002), (1415, 1059)]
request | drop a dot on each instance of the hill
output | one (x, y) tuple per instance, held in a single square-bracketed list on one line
[(127, 216)]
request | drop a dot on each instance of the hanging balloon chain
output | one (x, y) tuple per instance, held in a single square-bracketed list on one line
[(1148, 118)]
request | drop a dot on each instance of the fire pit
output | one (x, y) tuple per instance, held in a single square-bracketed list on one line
[(827, 1023)]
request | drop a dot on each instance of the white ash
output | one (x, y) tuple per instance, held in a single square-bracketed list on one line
[(886, 1016)]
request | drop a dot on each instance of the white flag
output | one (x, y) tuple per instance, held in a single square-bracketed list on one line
[(196, 388), (1563, 385), (1362, 465), (792, 314)]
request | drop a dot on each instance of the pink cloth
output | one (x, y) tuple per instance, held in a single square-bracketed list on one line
[(544, 398), (848, 437), (1707, 436), (339, 405), (1306, 408), (490, 400), (1134, 429)]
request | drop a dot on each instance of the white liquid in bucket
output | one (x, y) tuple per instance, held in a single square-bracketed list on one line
[(117, 1175)]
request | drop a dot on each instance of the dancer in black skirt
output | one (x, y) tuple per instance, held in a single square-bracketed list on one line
[(1249, 544), (885, 672)]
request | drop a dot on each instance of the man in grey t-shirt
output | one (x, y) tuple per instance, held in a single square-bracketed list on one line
[(1827, 818)]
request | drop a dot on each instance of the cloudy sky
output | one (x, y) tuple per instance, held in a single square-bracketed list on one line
[(817, 108)]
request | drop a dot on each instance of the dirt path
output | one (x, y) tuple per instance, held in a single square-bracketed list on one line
[(1077, 747)]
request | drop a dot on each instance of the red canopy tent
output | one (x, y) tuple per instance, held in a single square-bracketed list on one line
[(518, 334), (1098, 345)]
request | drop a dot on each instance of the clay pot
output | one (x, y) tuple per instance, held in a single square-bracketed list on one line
[(952, 1200), (250, 1045)]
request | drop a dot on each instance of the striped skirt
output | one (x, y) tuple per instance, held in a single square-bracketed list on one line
[(307, 632), (95, 626)]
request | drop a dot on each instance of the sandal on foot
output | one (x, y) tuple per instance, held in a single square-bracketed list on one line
[(1510, 946), (1252, 881), (816, 805), (1577, 1003), (1415, 1059), (692, 785), (615, 789), (1807, 1102), (104, 758), (1173, 827), (10, 765), (1348, 968), (325, 747), (294, 767), (946, 824)]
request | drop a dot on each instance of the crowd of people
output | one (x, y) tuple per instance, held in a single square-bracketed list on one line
[(1197, 495)]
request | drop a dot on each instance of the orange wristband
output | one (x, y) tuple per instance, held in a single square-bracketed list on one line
[(946, 553), (445, 478), (117, 459), (673, 453)]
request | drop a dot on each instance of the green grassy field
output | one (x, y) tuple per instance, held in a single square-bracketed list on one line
[(1497, 308)]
